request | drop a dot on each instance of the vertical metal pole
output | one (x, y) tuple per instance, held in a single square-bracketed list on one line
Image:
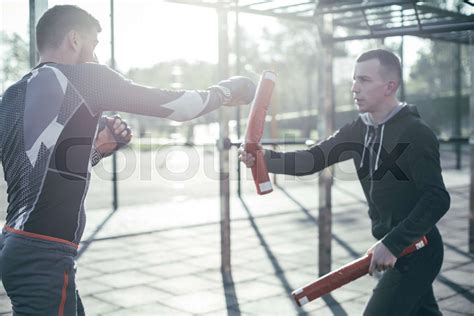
[(115, 201), (457, 103), (309, 96), (223, 144), (238, 67), (325, 130), (37, 8), (402, 61), (32, 34), (471, 145)]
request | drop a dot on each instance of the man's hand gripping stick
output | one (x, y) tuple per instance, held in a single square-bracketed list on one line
[(342, 276)]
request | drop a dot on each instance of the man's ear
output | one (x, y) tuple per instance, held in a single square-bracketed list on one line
[(74, 40), (392, 87)]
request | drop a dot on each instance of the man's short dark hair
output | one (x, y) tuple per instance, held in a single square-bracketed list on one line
[(388, 60), (59, 20)]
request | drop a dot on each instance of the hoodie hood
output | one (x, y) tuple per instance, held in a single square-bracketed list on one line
[(374, 134), (368, 120)]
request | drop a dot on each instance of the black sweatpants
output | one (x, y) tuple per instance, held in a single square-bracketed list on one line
[(408, 288), (39, 276)]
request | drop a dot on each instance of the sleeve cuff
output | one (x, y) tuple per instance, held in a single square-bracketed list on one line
[(95, 157), (390, 241)]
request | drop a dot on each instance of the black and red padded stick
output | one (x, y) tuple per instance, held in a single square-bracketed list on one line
[(342, 276), (254, 133)]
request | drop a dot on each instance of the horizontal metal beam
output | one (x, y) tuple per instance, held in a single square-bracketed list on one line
[(412, 30), (359, 7), (442, 12), (270, 13)]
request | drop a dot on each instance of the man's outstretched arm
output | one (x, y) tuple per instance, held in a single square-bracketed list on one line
[(104, 89), (336, 148)]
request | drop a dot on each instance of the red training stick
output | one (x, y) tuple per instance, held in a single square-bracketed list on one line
[(342, 276), (255, 131)]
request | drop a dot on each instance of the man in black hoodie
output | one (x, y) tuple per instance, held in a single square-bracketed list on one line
[(397, 160)]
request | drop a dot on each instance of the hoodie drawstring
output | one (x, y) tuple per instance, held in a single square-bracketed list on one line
[(380, 148), (367, 141), (365, 146)]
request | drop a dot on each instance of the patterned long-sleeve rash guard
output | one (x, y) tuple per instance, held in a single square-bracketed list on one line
[(48, 121)]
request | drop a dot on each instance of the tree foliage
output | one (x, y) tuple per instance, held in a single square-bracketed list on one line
[(14, 58)]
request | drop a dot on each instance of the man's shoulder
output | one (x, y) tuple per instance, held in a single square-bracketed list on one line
[(14, 91), (87, 74), (84, 67), (416, 129)]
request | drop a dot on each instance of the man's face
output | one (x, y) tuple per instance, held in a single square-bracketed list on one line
[(368, 86), (89, 41)]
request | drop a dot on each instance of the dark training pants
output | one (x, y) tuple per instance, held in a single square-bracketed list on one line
[(407, 289), (39, 276)]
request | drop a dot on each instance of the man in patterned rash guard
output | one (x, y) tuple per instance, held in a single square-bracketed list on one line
[(48, 121)]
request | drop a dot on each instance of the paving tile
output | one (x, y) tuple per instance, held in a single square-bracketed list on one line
[(199, 250), (453, 313), (210, 261), (157, 246), (267, 265), (199, 302), (169, 270), (240, 274), (459, 277), (133, 296), (150, 309), (233, 311), (95, 306), (154, 257), (87, 287), (98, 255), (116, 265), (125, 279), (84, 272), (277, 305), (253, 290), (459, 304), (348, 308), (185, 284)]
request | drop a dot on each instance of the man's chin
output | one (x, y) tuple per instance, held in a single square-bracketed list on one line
[(361, 109)]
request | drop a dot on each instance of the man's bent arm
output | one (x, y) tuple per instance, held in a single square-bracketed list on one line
[(434, 201)]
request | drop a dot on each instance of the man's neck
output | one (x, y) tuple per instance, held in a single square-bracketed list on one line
[(379, 115), (57, 57)]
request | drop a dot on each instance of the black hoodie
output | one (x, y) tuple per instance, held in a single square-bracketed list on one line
[(401, 178)]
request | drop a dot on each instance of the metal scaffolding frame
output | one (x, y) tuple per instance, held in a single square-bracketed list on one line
[(360, 19)]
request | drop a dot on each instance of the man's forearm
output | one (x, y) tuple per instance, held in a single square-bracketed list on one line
[(297, 163)]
